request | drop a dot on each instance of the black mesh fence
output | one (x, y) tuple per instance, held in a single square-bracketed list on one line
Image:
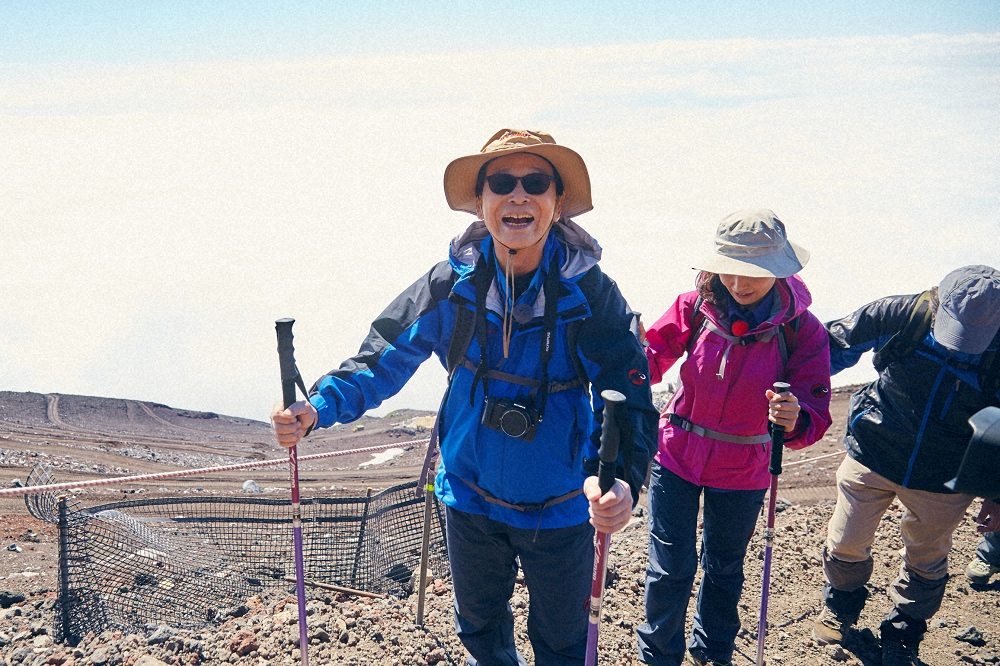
[(186, 561)]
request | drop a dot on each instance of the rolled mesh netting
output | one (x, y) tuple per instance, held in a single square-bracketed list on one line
[(185, 561)]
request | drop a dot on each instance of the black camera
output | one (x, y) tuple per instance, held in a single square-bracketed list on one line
[(511, 418)]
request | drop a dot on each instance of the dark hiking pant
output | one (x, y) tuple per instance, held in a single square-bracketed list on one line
[(730, 517), (557, 566)]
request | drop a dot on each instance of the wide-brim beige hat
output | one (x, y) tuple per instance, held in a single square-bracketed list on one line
[(460, 176), (753, 243)]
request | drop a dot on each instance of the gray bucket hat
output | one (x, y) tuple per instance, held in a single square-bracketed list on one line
[(753, 243), (968, 314)]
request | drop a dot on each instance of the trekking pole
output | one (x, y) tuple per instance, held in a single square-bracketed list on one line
[(777, 444), (425, 545), (608, 452), (289, 376)]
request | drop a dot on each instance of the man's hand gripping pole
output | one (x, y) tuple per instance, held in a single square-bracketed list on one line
[(289, 378), (613, 404)]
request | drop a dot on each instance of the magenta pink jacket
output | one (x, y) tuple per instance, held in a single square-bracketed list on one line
[(736, 404)]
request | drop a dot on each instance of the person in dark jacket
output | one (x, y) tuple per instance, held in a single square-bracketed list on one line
[(986, 562), (548, 331), (907, 433)]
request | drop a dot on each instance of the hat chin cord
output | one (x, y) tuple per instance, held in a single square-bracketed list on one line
[(508, 306)]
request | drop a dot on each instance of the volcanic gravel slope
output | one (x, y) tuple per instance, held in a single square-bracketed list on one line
[(83, 437)]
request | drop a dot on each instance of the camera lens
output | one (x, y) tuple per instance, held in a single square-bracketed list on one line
[(514, 423)]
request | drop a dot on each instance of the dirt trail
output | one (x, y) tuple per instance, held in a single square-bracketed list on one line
[(82, 437)]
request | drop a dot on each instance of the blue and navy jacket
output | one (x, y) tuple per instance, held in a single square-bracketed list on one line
[(420, 322), (911, 424)]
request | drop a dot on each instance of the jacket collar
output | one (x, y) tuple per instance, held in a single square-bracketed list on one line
[(574, 249), (791, 298)]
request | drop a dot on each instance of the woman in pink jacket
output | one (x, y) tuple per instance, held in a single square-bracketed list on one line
[(745, 327)]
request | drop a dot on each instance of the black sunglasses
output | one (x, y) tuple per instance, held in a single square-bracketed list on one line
[(533, 184)]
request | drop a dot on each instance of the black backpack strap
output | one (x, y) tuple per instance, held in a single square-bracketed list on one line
[(786, 341), (989, 374), (908, 338), (572, 340), (697, 322), (461, 337), (485, 270)]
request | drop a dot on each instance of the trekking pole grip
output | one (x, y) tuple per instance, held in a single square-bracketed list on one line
[(777, 435), (286, 360), (610, 434)]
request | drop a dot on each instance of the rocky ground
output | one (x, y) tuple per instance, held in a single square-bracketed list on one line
[(89, 437)]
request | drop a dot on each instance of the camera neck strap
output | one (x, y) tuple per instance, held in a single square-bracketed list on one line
[(551, 291), (486, 272)]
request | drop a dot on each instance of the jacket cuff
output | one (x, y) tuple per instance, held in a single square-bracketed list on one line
[(319, 404)]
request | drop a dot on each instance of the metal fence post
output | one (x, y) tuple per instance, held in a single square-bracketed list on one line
[(361, 537), (65, 631)]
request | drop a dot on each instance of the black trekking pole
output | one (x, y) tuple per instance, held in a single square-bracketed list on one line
[(289, 377), (777, 444), (613, 400)]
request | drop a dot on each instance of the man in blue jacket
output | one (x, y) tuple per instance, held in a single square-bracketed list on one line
[(907, 434), (540, 331)]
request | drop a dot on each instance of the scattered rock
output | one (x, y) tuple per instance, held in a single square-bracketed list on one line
[(358, 631), (243, 643), (30, 536), (972, 636), (146, 660), (162, 634), (9, 597)]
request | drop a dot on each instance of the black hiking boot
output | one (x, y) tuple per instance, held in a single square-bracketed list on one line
[(896, 652), (901, 635), (698, 660)]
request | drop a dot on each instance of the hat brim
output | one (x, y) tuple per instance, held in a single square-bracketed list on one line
[(777, 265), (951, 333), (460, 177)]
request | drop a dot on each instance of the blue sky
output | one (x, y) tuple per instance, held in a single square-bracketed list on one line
[(200, 30), (176, 178)]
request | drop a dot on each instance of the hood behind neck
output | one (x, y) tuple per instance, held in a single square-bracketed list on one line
[(581, 251)]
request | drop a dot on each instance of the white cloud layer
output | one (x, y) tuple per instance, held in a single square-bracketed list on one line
[(158, 218)]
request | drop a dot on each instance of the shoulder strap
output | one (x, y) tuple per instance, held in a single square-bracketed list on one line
[(989, 373), (786, 341), (908, 338), (697, 323), (572, 336), (461, 336), (464, 330)]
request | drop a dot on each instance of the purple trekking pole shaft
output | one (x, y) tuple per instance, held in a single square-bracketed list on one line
[(777, 445), (289, 375), (608, 453)]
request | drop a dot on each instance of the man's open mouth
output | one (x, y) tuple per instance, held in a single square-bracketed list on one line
[(518, 220)]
